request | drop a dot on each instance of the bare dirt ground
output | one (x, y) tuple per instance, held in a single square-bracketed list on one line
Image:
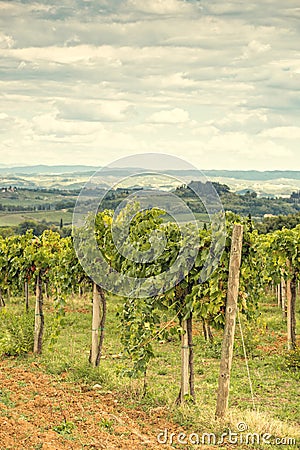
[(39, 412)]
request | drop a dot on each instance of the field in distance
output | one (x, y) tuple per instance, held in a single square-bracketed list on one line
[(10, 219)]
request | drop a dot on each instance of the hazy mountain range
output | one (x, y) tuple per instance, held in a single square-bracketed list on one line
[(75, 176)]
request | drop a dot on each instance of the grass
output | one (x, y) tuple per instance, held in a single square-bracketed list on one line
[(64, 428), (27, 197), (5, 398), (9, 219), (276, 389)]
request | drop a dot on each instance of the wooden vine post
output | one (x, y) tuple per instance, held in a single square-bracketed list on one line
[(284, 298), (95, 325), (230, 320), (98, 323), (279, 296), (26, 290), (102, 324), (291, 293), (293, 311), (39, 317), (191, 357), (184, 362), (2, 301)]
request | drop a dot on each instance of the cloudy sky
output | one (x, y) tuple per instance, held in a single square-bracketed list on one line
[(86, 81)]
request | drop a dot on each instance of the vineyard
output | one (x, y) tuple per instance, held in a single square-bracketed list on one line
[(161, 351)]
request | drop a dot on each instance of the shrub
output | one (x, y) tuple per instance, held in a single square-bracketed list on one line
[(16, 333)]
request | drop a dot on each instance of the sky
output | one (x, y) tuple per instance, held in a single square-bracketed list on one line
[(87, 82)]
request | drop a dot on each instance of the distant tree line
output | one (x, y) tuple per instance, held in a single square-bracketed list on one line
[(55, 206), (248, 203), (270, 224), (281, 212), (37, 227)]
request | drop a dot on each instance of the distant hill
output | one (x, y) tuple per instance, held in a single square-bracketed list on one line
[(251, 175), (254, 175), (265, 184), (44, 169)]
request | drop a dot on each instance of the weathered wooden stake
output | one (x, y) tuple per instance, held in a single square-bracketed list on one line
[(102, 324), (26, 290), (95, 325), (279, 299), (2, 301), (283, 298), (46, 290), (191, 357), (184, 362), (39, 317), (291, 315), (230, 320)]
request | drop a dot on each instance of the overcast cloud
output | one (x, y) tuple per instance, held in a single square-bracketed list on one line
[(86, 82)]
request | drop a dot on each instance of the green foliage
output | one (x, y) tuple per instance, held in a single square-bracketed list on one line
[(37, 227), (251, 340), (107, 425), (280, 254), (16, 333), (292, 359), (139, 319), (241, 204), (64, 428), (212, 349), (143, 321), (270, 224), (5, 398), (82, 372), (54, 328)]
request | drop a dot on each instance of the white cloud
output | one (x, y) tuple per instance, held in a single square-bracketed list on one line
[(171, 116), (255, 48), (204, 131), (6, 41), (103, 110), (176, 80), (214, 81), (49, 124), (160, 6), (282, 133)]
